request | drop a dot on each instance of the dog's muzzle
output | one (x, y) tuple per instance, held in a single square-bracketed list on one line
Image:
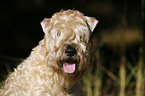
[(70, 62)]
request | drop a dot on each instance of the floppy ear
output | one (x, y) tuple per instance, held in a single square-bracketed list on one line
[(91, 22), (45, 24)]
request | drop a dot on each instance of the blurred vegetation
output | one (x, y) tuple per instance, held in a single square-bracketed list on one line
[(118, 42), (117, 68)]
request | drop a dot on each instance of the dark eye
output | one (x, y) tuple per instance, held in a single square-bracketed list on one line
[(58, 33), (81, 38)]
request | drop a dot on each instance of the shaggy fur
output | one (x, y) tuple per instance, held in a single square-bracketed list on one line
[(56, 65)]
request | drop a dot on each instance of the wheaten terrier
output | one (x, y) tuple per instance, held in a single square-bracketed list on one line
[(57, 64)]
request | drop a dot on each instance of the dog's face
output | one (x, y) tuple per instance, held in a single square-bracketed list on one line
[(67, 36)]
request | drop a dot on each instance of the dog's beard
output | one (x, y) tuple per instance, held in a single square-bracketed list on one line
[(69, 64), (74, 64)]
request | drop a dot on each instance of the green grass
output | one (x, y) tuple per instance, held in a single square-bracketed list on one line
[(128, 79)]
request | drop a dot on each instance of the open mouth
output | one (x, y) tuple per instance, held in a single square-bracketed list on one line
[(69, 65), (69, 68)]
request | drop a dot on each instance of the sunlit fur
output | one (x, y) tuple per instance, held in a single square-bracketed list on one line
[(41, 74)]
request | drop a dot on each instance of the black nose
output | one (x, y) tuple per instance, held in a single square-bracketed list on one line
[(70, 51)]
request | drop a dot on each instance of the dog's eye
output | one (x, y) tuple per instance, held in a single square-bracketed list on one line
[(81, 38), (58, 33)]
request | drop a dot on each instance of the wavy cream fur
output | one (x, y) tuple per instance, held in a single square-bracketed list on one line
[(41, 74)]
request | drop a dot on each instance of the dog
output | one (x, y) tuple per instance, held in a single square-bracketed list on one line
[(57, 64)]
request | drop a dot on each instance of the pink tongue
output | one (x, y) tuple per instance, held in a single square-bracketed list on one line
[(68, 68)]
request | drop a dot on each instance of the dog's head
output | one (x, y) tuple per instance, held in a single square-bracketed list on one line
[(67, 36)]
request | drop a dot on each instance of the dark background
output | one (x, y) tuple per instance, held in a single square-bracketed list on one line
[(20, 19)]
